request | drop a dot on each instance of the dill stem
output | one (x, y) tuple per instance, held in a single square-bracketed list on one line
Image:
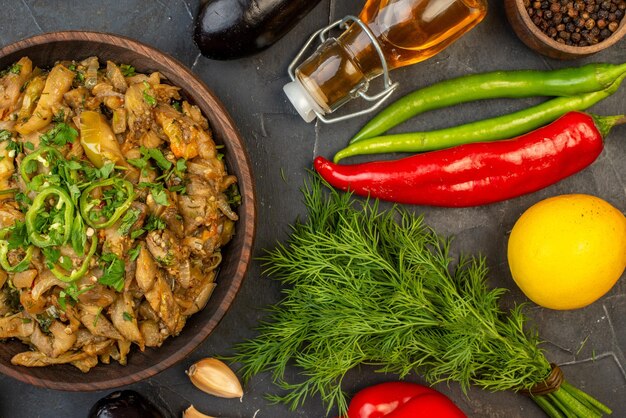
[(573, 405), (558, 403), (547, 407), (587, 399)]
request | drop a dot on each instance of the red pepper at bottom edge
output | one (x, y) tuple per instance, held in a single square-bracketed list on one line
[(401, 400), (432, 405)]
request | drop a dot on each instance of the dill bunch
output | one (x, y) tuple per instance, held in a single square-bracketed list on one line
[(370, 287)]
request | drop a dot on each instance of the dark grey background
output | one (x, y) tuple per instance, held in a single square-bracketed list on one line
[(589, 342)]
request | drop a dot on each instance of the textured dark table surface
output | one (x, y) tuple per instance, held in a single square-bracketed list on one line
[(590, 343)]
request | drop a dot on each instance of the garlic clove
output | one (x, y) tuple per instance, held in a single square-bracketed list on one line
[(192, 412), (212, 376)]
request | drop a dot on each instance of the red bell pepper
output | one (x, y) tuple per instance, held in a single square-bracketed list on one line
[(402, 400), (479, 173)]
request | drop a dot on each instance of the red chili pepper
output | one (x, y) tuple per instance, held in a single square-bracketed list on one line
[(402, 400), (479, 173)]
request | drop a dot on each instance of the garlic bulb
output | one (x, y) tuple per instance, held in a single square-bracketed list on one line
[(212, 376)]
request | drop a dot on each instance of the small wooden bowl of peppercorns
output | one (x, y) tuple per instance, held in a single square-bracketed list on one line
[(567, 29)]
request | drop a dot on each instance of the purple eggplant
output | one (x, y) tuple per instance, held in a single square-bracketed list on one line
[(124, 404), (229, 29)]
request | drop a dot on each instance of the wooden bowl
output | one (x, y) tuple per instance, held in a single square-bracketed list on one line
[(44, 50), (535, 39)]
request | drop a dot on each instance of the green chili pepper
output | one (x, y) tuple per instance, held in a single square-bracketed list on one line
[(40, 238), (77, 274), (36, 157), (4, 253), (506, 126), (512, 84), (86, 206)]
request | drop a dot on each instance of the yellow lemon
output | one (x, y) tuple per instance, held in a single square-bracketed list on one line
[(567, 251)]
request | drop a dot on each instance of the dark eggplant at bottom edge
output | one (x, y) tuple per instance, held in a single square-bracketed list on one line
[(124, 404), (229, 29)]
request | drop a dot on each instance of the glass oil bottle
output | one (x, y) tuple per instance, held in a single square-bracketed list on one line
[(388, 34)]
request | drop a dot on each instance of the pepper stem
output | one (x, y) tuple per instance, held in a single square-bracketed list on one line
[(606, 123)]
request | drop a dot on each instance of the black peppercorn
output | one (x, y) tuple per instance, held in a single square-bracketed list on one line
[(576, 22)]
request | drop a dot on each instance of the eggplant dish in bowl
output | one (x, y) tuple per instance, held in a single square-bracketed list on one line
[(115, 204)]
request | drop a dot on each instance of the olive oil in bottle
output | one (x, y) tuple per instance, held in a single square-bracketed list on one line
[(407, 31)]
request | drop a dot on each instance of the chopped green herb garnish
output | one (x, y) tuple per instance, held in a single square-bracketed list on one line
[(113, 271), (30, 166), (160, 196), (66, 263), (60, 135), (29, 145), (146, 95), (12, 145), (157, 156), (18, 237), (157, 191), (51, 255), (153, 223), (129, 220), (59, 117), (106, 170), (80, 77), (133, 253), (127, 317), (23, 201), (72, 292), (97, 317), (181, 165), (138, 162), (127, 70), (233, 195)]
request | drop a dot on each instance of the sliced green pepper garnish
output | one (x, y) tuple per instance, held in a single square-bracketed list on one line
[(87, 207), (77, 274), (42, 238), (30, 162)]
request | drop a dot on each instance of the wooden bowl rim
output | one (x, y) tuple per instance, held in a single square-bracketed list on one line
[(572, 50), (247, 211)]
